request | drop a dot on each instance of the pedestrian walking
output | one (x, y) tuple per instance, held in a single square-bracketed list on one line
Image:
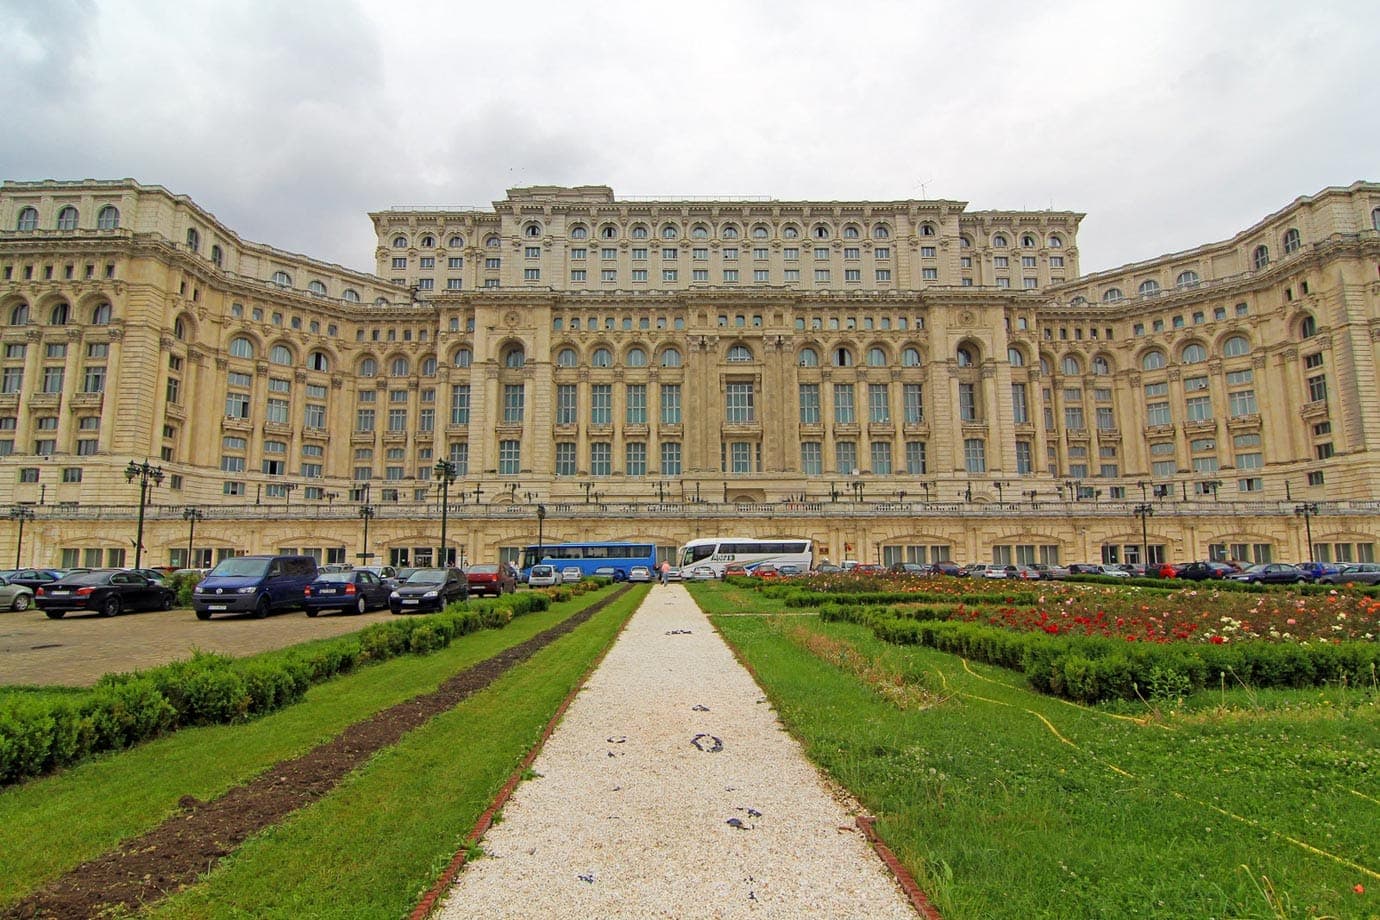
[(665, 569)]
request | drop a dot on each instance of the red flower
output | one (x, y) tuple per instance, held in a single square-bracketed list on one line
[(1217, 640)]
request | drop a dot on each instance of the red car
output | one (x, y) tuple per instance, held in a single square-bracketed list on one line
[(491, 579)]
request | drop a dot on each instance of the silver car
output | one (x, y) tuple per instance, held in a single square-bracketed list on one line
[(1361, 573), (15, 597)]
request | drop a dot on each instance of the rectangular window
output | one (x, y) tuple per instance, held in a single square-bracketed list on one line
[(915, 457), (565, 458), (232, 464), (601, 459), (513, 399), (1317, 388), (811, 458), (364, 420), (601, 404), (52, 379), (1157, 413), (740, 454), (94, 380), (975, 455), (636, 404), (821, 275), (237, 405), (567, 404), (669, 275), (397, 420), (878, 402), (967, 402), (670, 458), (738, 404), (509, 457), (809, 404), (852, 274), (608, 274), (845, 457), (913, 396), (276, 411), (845, 413), (881, 458), (314, 416), (1105, 420), (1198, 408), (670, 404), (1025, 463), (1241, 403), (577, 275), (1020, 410), (460, 404), (635, 458)]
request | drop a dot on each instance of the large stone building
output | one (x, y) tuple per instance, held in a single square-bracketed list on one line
[(899, 380)]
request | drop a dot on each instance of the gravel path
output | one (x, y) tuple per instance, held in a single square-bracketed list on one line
[(670, 790)]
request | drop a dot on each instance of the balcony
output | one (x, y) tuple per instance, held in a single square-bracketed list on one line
[(235, 423), (1317, 409)]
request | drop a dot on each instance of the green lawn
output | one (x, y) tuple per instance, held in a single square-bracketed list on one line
[(1007, 803), (84, 811)]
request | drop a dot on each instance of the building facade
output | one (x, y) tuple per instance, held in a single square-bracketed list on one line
[(898, 381)]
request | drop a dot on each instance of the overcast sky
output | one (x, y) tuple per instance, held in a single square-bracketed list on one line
[(1170, 124)]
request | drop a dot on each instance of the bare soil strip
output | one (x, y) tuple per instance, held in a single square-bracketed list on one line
[(172, 855)]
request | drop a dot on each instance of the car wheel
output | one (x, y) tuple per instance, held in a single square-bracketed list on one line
[(55, 614), (168, 601), (203, 614), (110, 606), (311, 611), (361, 605), (21, 602), (261, 610), (1300, 580)]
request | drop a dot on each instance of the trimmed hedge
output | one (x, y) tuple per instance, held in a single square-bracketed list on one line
[(1091, 669), (45, 733), (806, 598)]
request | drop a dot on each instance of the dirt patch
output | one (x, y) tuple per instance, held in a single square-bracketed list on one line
[(172, 855)]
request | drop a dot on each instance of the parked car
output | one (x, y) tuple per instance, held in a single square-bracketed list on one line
[(1084, 568), (1111, 570), (543, 576), (790, 570), (1273, 573), (767, 570), (908, 568), (385, 573), (699, 573), (977, 569), (639, 573), (429, 589), (358, 591), (571, 574), (157, 575), (257, 584), (1361, 573), (15, 596), (734, 568), (491, 579), (998, 571), (1050, 571), (33, 578), (828, 568), (1203, 571), (1319, 569), (334, 567), (945, 567), (673, 573), (105, 591), (867, 568)]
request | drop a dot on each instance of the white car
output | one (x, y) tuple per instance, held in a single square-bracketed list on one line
[(543, 576), (639, 573), (1113, 571), (699, 573), (570, 574)]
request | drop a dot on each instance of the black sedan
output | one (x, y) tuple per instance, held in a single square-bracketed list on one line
[(429, 589), (356, 591), (106, 592), (1273, 573), (1203, 571)]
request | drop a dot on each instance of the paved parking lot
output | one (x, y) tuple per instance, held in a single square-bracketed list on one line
[(79, 648)]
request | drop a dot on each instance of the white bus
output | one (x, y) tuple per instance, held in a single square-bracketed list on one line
[(718, 552)]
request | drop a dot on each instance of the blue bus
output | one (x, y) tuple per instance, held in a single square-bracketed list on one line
[(589, 558)]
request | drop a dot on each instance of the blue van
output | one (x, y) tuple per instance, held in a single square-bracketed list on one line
[(254, 584)]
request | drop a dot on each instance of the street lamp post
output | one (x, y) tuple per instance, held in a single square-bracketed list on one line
[(1307, 510), (20, 514), (1000, 485), (1143, 485), (191, 515), (541, 521), (366, 511), (143, 472), (1143, 511), (288, 487), (445, 471), (926, 487)]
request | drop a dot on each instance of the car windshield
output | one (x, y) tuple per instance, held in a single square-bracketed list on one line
[(336, 577), (541, 570), (241, 567), (427, 577)]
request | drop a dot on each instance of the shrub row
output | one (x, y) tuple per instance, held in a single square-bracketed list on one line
[(44, 733), (806, 598), (1090, 669)]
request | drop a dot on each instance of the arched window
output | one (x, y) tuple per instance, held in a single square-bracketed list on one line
[(19, 316), (730, 232), (1292, 240), (350, 295), (217, 255), (429, 366), (964, 242), (843, 357), (1152, 360), (578, 232), (282, 279), (280, 354), (1111, 295), (532, 230), (1186, 279), (850, 232), (602, 357), (428, 242), (1375, 219), (108, 218), (809, 357), (1045, 367), (399, 242), (514, 356), (790, 232), (1307, 328), (1056, 241), (380, 301), (368, 367), (1101, 367), (567, 357), (456, 242), (1149, 288), (669, 232), (491, 242), (881, 232), (876, 357), (1070, 366), (927, 230), (28, 219), (1027, 241), (1015, 357), (1193, 353), (463, 357), (1260, 258), (1236, 346), (999, 241), (964, 356), (318, 361), (636, 358), (316, 287), (67, 218), (640, 232), (670, 358), (60, 314), (100, 316), (910, 357), (180, 329), (699, 232), (193, 239), (241, 347), (821, 232), (399, 367), (760, 232), (739, 353)]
